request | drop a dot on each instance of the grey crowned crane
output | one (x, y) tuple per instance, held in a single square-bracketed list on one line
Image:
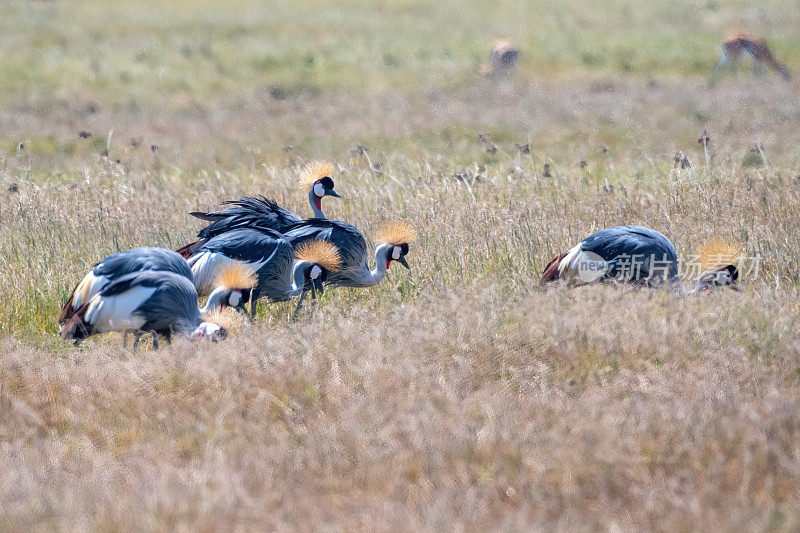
[(119, 264), (254, 212), (631, 254), (156, 301), (271, 256), (394, 238)]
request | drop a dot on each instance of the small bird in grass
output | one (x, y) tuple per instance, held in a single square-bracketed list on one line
[(264, 213), (270, 255), (631, 254), (119, 264), (159, 302)]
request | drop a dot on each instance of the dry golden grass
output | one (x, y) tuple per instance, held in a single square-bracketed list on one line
[(457, 396), (479, 409)]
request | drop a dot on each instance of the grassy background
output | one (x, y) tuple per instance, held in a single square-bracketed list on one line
[(461, 393)]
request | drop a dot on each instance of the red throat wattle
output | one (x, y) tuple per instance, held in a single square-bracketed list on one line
[(388, 262), (318, 202)]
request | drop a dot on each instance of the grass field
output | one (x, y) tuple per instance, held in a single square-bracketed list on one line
[(457, 396)]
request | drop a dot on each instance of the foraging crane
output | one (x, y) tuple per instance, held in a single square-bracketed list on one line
[(270, 255), (158, 301), (264, 213), (631, 254), (119, 264), (740, 43), (394, 238)]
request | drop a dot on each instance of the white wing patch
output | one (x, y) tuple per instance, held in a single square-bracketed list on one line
[(115, 313), (568, 261), (206, 267), (580, 267), (89, 286)]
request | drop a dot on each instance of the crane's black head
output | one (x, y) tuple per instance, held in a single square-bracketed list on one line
[(398, 253), (726, 276), (324, 187), (314, 277), (236, 298), (396, 236)]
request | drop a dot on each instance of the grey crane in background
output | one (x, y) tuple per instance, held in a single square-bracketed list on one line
[(263, 212), (394, 238)]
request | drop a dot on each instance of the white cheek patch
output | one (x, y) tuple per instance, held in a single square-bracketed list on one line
[(319, 190), (235, 298), (315, 272), (396, 252)]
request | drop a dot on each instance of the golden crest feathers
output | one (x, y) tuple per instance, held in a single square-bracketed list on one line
[(236, 275), (716, 253), (397, 232), (316, 170), (322, 253)]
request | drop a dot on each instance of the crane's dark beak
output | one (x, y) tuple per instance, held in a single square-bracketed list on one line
[(331, 192), (241, 308), (402, 261), (319, 286)]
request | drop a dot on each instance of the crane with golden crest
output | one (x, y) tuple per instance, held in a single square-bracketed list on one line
[(639, 255), (161, 302), (394, 238), (261, 212)]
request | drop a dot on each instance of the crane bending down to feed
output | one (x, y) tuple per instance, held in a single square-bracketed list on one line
[(738, 44), (249, 212), (631, 254), (119, 264), (157, 301), (394, 238), (270, 255)]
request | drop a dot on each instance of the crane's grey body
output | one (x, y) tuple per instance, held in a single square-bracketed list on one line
[(141, 259), (264, 212), (348, 240), (171, 307), (120, 264), (256, 213), (247, 212), (631, 254), (268, 252), (634, 253)]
